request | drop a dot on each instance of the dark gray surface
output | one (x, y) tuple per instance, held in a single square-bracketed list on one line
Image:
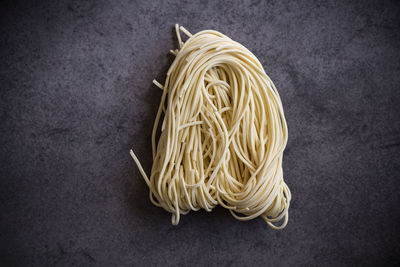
[(76, 95)]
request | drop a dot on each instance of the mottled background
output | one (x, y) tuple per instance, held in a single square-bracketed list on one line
[(76, 95)]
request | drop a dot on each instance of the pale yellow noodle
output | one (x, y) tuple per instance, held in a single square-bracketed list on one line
[(222, 136)]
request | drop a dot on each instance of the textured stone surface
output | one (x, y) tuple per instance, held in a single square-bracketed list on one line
[(76, 95)]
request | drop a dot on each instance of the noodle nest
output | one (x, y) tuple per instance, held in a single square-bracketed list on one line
[(223, 134)]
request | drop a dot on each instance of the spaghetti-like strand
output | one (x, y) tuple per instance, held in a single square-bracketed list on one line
[(223, 134)]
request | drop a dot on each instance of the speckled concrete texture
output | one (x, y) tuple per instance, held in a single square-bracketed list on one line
[(76, 95)]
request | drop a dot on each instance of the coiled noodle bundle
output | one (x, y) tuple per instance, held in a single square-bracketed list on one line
[(223, 134)]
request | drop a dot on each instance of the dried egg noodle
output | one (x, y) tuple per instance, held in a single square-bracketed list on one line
[(222, 136)]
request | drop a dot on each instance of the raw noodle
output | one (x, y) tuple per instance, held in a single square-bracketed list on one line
[(223, 134)]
